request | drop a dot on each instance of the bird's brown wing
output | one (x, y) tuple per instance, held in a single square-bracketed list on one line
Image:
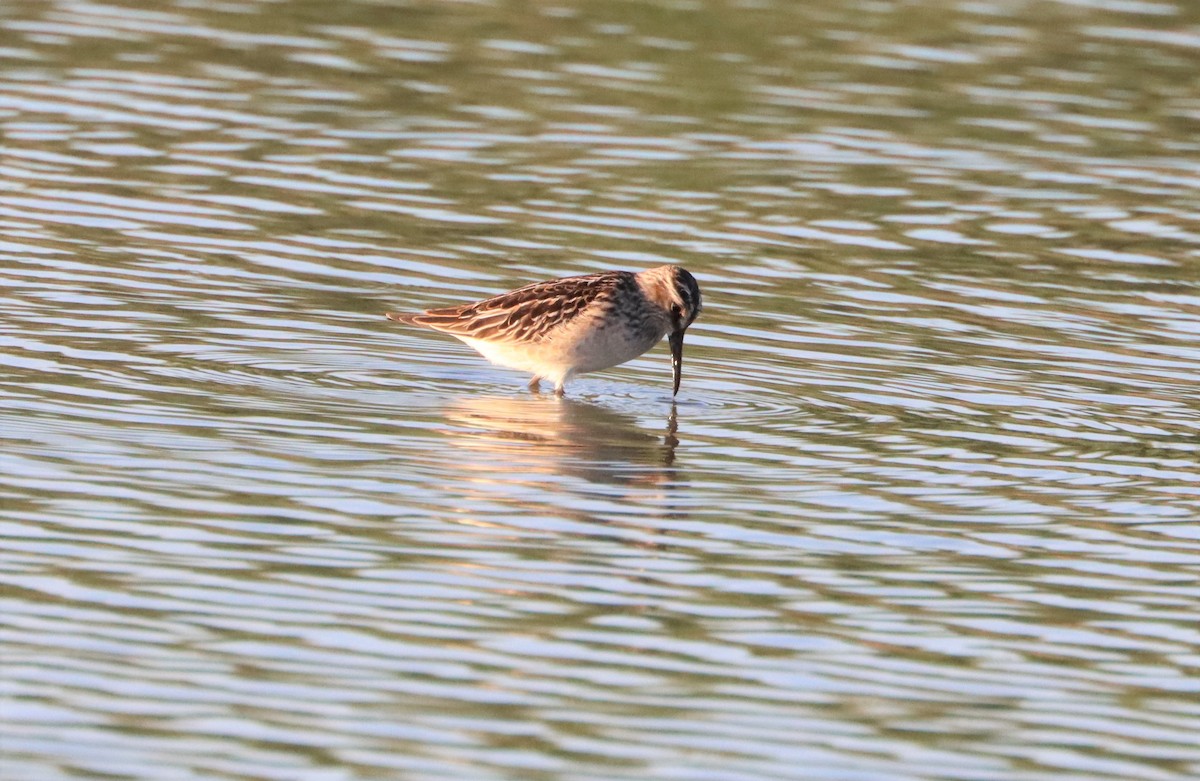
[(527, 314)]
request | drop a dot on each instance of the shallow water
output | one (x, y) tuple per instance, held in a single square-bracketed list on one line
[(926, 507)]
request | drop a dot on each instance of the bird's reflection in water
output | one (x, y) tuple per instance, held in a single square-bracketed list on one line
[(546, 435), (540, 462)]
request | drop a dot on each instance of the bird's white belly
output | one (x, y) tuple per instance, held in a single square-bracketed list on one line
[(514, 355), (559, 358)]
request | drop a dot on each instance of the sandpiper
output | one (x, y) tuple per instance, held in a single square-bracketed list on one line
[(564, 327)]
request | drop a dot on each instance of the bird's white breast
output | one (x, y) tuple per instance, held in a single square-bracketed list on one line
[(583, 346), (612, 343)]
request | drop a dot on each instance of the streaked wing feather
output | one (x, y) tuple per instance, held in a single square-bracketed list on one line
[(528, 313)]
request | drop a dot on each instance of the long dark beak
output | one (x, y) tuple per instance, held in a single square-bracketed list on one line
[(676, 340)]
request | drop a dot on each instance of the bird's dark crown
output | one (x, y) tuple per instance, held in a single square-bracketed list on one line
[(688, 291)]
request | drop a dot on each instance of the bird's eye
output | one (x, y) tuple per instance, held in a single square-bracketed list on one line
[(676, 312)]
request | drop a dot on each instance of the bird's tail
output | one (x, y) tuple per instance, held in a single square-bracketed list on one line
[(401, 317)]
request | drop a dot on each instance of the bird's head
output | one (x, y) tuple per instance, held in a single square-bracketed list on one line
[(676, 290)]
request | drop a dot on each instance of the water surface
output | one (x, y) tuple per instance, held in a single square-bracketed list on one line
[(926, 507)]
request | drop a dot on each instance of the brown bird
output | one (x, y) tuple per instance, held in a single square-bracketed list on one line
[(564, 327)]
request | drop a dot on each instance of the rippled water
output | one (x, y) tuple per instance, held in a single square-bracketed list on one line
[(926, 508)]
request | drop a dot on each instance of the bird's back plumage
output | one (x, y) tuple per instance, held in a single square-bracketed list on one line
[(527, 314)]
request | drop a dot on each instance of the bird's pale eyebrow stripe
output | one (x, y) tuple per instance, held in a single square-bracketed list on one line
[(686, 293)]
